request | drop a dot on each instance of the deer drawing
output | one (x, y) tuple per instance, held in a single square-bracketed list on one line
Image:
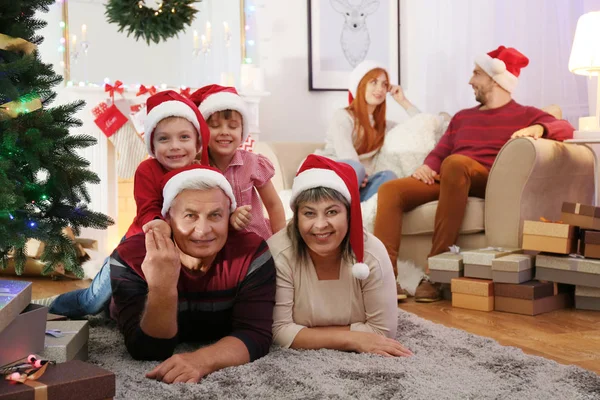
[(355, 39)]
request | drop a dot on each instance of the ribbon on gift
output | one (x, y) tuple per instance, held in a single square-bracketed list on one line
[(11, 44), (492, 249), (58, 333), (30, 378), (143, 90), (185, 92), (454, 249), (118, 87), (550, 221)]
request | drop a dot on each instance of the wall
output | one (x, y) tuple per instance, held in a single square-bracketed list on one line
[(438, 40)]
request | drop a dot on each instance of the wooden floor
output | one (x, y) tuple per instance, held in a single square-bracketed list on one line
[(566, 336)]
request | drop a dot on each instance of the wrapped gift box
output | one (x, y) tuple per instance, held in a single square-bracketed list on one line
[(472, 302), (23, 336), (55, 317), (549, 236), (533, 307), (590, 244), (581, 215), (531, 290), (445, 266), (72, 345), (570, 270), (474, 294), (587, 298), (514, 268), (14, 297), (478, 263), (73, 380)]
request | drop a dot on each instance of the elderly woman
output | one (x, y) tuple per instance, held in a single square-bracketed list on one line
[(335, 283)]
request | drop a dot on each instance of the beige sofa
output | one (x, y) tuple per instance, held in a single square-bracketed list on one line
[(530, 179)]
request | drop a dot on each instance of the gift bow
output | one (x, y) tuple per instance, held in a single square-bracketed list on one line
[(454, 249), (143, 90), (30, 378), (112, 89), (185, 92)]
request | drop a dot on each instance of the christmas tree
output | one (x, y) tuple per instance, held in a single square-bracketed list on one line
[(42, 177)]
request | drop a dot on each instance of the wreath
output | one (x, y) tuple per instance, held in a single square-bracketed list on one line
[(152, 20)]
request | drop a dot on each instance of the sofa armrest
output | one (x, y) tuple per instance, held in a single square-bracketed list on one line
[(289, 157), (530, 179)]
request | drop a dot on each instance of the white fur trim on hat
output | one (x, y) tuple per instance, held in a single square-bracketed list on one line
[(227, 101), (317, 177), (360, 271), (359, 72), (496, 68), (189, 180), (171, 108)]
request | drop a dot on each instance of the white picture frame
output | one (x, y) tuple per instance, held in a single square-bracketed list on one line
[(341, 33)]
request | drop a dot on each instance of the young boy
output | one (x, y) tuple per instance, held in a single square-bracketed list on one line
[(174, 132)]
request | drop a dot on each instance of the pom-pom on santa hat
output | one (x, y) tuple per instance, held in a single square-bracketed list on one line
[(357, 74), (503, 65), (171, 104), (318, 171), (193, 177), (214, 98)]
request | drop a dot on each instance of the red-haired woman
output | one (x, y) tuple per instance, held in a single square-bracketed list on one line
[(356, 133)]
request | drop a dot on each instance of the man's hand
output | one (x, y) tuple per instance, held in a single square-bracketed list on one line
[(161, 265), (534, 131), (158, 225), (241, 217), (425, 174), (178, 368)]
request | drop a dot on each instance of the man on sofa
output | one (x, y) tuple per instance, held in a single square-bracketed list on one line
[(459, 165), (206, 284)]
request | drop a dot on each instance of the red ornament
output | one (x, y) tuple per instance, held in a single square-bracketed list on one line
[(143, 90), (112, 89)]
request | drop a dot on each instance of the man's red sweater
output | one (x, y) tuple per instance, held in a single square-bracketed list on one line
[(481, 134)]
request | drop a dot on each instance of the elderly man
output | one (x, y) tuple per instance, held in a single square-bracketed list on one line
[(459, 165), (207, 283)]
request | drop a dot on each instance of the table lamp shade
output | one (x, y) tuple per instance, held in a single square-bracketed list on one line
[(585, 53)]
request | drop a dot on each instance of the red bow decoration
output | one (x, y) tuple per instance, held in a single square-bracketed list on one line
[(112, 89), (143, 90), (185, 92)]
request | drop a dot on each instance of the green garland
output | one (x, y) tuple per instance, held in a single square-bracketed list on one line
[(151, 25)]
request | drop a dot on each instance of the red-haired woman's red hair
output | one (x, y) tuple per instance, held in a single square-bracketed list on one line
[(368, 138)]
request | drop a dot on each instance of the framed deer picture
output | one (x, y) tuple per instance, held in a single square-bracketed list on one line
[(343, 33)]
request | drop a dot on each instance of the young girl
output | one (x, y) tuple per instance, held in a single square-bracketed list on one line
[(248, 173), (356, 133), (174, 133)]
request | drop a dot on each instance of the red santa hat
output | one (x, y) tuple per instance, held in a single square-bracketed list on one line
[(503, 65), (214, 98), (357, 74), (193, 177), (171, 104), (318, 171)]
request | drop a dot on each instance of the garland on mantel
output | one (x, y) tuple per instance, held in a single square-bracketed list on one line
[(154, 22)]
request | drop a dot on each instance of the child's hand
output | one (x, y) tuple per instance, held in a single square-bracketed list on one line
[(158, 225), (241, 217)]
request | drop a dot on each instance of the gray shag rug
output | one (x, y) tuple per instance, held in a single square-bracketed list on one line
[(447, 364)]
